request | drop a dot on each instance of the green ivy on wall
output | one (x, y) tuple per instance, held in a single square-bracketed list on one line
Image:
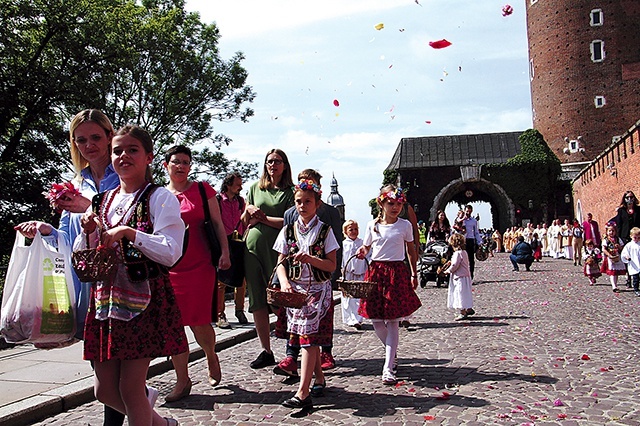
[(531, 175)]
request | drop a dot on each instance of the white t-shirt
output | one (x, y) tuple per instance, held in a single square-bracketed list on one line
[(388, 241)]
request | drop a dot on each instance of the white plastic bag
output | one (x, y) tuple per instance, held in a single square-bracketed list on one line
[(38, 303)]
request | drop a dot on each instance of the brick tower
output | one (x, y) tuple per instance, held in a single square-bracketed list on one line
[(584, 58)]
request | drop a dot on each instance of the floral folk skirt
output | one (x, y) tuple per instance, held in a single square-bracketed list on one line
[(393, 296)]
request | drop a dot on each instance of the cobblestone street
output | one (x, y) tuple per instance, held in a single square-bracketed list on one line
[(543, 348)]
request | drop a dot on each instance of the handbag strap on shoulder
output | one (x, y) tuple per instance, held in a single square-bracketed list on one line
[(205, 201)]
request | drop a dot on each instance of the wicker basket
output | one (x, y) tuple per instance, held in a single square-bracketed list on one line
[(98, 264), (353, 288), (279, 298)]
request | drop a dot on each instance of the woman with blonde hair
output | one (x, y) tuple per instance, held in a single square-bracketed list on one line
[(267, 201), (90, 135)]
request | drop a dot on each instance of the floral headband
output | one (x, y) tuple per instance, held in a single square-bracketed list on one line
[(397, 195), (308, 185)]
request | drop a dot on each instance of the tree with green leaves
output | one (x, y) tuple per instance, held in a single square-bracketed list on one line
[(150, 63)]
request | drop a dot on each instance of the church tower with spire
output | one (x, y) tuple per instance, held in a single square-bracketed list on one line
[(335, 199)]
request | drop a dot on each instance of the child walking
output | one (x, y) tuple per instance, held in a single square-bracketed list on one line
[(631, 257), (611, 263), (134, 317), (307, 258), (460, 296), (387, 237), (591, 255), (353, 269)]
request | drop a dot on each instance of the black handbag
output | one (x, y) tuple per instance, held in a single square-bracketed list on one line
[(234, 276), (209, 230)]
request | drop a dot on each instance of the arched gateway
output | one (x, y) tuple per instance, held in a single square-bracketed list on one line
[(439, 169)]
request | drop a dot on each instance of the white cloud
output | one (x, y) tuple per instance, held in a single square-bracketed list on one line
[(300, 56)]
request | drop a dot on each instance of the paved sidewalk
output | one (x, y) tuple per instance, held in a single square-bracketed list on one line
[(543, 348)]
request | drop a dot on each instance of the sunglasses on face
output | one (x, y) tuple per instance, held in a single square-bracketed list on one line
[(274, 161)]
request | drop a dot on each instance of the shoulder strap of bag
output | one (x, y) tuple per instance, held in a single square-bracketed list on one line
[(205, 201)]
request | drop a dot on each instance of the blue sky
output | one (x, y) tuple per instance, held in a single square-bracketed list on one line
[(301, 56)]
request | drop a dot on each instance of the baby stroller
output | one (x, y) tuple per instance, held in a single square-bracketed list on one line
[(435, 255)]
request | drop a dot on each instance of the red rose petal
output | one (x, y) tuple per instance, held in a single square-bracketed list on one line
[(440, 44)]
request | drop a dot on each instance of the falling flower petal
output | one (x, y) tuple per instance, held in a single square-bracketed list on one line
[(336, 103), (428, 121), (379, 26), (440, 44), (507, 10)]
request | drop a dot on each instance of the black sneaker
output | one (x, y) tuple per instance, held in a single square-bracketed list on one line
[(265, 359)]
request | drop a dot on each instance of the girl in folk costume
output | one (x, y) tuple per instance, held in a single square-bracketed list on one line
[(387, 237), (353, 269), (307, 258), (133, 317), (536, 246), (591, 255), (612, 265), (460, 296)]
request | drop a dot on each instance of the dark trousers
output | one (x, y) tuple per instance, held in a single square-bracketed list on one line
[(636, 281), (470, 248), (514, 261)]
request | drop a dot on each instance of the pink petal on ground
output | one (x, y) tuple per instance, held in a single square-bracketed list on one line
[(558, 403), (585, 357)]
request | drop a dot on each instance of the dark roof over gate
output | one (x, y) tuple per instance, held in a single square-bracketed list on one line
[(455, 150)]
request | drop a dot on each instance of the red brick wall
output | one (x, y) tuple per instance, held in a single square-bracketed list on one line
[(599, 187), (565, 80)]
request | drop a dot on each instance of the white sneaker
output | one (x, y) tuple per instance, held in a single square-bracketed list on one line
[(152, 395), (388, 378)]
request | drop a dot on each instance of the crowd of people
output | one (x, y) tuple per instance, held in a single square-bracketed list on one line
[(166, 277), (290, 240)]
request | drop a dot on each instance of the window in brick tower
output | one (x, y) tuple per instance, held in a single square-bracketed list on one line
[(597, 51), (597, 18)]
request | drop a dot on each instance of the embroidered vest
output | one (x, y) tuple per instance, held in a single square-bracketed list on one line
[(138, 266), (315, 249)]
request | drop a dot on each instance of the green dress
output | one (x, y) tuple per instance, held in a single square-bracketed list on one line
[(260, 257)]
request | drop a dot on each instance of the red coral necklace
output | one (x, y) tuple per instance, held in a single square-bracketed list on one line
[(120, 210)]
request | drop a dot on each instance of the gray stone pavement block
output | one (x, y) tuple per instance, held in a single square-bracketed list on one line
[(543, 348)]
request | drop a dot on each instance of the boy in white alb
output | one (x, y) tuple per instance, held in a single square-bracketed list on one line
[(631, 257)]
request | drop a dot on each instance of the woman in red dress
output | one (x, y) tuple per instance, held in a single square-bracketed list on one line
[(194, 277)]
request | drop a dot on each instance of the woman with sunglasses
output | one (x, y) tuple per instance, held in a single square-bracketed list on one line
[(627, 217), (267, 201)]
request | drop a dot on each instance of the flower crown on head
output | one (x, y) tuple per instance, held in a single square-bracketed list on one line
[(611, 224), (308, 185), (397, 195)]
